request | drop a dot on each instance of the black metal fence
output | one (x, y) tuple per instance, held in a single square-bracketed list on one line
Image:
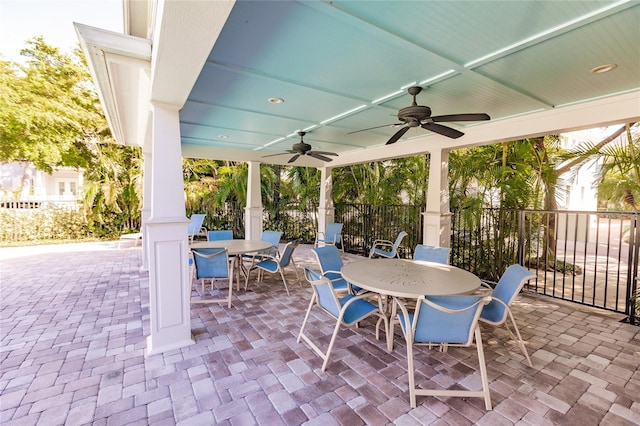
[(362, 224), (586, 257), (365, 223), (589, 258)]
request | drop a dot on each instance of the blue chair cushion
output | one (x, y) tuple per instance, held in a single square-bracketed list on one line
[(493, 312), (436, 326), (215, 267), (356, 310), (268, 265)]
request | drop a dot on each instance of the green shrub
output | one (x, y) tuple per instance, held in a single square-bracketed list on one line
[(29, 225)]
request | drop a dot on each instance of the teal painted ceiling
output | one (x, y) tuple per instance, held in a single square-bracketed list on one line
[(342, 66)]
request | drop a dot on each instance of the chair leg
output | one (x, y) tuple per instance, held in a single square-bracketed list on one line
[(306, 316), (230, 291), (519, 338), (246, 279), (410, 372), (237, 259), (386, 326), (331, 342), (295, 269), (483, 370), (284, 281)]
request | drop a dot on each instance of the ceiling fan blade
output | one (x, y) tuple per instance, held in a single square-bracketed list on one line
[(376, 127), (294, 158), (289, 151), (398, 135), (443, 130), (316, 154), (460, 117), (273, 155), (323, 153)]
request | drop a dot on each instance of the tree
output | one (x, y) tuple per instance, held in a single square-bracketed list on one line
[(113, 189), (618, 176), (379, 183), (48, 109)]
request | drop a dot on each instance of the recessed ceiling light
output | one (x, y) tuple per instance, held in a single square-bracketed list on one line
[(275, 100), (603, 68), (222, 136)]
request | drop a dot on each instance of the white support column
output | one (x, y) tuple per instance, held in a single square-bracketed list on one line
[(326, 211), (437, 217), (146, 202), (253, 210), (169, 286)]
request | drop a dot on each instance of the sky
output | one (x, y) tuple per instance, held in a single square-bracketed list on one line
[(53, 19)]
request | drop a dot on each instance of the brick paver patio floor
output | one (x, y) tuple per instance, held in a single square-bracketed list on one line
[(74, 319)]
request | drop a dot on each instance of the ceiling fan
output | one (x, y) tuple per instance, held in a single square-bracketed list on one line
[(303, 148), (420, 116)]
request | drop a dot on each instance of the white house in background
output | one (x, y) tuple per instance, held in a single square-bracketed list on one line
[(579, 190), (20, 182)]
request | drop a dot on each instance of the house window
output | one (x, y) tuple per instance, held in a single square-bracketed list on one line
[(67, 188)]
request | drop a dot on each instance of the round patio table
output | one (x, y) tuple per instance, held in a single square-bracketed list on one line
[(401, 278)]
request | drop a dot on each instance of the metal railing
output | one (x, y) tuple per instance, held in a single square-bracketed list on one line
[(590, 258), (365, 223)]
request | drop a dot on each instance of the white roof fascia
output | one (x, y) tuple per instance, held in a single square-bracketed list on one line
[(120, 67)]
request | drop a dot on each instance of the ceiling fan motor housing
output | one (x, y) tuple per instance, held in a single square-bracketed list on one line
[(413, 115), (301, 147)]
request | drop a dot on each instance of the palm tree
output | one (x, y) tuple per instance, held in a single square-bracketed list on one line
[(113, 189), (619, 172)]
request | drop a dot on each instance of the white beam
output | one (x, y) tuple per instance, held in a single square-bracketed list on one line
[(185, 32)]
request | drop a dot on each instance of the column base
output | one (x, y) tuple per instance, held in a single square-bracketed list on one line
[(154, 350)]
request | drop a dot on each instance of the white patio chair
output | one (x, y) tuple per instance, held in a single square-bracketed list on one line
[(508, 287), (347, 310), (451, 320), (387, 248), (274, 264), (331, 236), (212, 264), (195, 226), (432, 254)]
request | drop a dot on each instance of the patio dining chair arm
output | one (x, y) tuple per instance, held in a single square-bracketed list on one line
[(383, 243), (485, 288), (338, 278), (259, 257)]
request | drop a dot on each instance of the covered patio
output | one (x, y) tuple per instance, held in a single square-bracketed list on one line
[(237, 81), (75, 317)]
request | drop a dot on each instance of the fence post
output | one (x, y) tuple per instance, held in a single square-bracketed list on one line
[(521, 236), (632, 271)]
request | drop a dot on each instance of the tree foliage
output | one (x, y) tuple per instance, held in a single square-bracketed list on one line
[(113, 189), (50, 116), (391, 182), (48, 109)]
